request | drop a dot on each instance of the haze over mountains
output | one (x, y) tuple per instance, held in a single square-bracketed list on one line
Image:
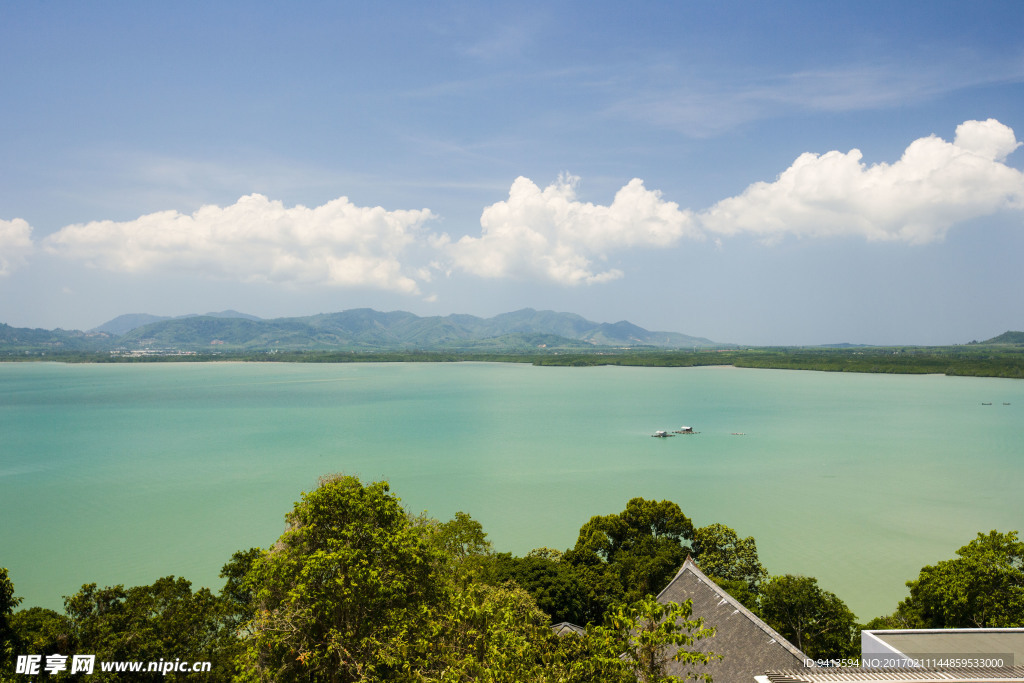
[(361, 329), (357, 329), (124, 324)]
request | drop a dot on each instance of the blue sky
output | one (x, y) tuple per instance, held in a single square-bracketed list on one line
[(762, 173)]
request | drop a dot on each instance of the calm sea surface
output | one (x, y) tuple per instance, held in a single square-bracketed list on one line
[(125, 473)]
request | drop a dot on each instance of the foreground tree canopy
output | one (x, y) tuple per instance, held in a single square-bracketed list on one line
[(8, 638), (163, 621), (341, 589), (357, 589), (982, 587), (815, 620), (641, 547)]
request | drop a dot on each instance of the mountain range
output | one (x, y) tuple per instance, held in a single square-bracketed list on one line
[(361, 329)]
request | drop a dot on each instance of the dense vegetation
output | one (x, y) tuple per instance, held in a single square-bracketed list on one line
[(353, 330), (526, 336), (357, 589), (968, 360), (982, 588)]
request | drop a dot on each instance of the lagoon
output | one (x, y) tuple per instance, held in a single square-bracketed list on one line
[(125, 473)]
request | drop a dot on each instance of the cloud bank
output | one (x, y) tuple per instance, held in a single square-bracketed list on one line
[(15, 244), (254, 240), (551, 235), (935, 185)]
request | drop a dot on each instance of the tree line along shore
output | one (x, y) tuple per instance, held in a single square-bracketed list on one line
[(971, 360), (359, 589)]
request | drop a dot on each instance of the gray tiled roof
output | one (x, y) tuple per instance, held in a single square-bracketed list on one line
[(749, 646), (565, 628)]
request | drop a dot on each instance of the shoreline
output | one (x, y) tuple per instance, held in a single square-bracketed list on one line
[(956, 361)]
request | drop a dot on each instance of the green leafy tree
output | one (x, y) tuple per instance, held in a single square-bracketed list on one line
[(599, 590), (559, 589), (546, 553), (340, 592), (41, 631), (731, 561), (641, 547), (484, 633), (165, 620), (237, 600), (814, 620), (644, 640), (982, 587), (722, 554), (8, 639), (462, 538), (642, 526), (238, 597), (460, 543), (902, 618), (356, 590)]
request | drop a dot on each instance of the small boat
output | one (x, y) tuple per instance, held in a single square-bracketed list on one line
[(661, 434), (1005, 403), (986, 404), (684, 430)]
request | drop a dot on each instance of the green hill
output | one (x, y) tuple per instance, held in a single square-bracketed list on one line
[(123, 324), (360, 329), (367, 329), (19, 339), (1007, 338)]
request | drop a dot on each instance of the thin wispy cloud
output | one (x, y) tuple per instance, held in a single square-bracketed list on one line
[(874, 86), (501, 41), (505, 35), (127, 181), (704, 106), (519, 78)]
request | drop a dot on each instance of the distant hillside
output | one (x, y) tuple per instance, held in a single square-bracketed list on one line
[(367, 329), (361, 329), (42, 341), (123, 324), (1007, 338)]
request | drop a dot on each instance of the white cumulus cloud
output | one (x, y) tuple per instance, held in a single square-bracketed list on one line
[(935, 185), (257, 239), (15, 244), (550, 234)]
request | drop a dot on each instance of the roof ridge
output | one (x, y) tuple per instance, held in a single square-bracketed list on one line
[(690, 565)]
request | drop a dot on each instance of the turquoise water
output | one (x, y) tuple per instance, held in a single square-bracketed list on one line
[(125, 473)]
